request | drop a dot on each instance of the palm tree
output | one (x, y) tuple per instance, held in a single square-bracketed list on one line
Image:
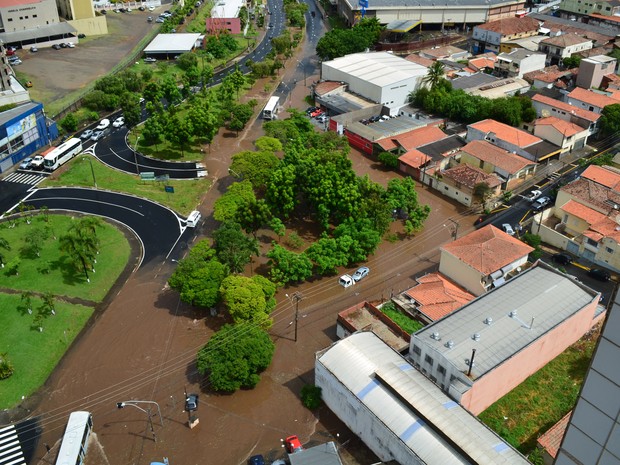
[(434, 75), (80, 251), (4, 244)]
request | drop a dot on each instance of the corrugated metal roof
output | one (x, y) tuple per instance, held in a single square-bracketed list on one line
[(172, 43), (323, 454), (378, 68), (431, 424), (40, 33), (541, 295)]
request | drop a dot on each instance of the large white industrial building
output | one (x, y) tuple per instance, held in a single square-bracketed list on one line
[(380, 77), (399, 413)]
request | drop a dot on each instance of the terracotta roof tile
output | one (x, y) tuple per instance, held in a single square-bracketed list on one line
[(566, 128), (413, 139), (585, 114), (415, 58), (613, 19), (482, 63), (414, 158), (437, 296), (603, 176), (592, 194), (593, 98), (326, 86), (507, 133), (579, 210), (487, 249), (469, 176), (552, 439), (565, 40), (496, 156), (510, 26), (549, 74)]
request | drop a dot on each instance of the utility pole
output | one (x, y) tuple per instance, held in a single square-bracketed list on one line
[(455, 235), (133, 403), (297, 296)]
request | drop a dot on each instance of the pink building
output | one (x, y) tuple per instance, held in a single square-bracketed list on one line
[(218, 25)]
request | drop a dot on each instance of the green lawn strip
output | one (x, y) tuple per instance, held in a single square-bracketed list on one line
[(52, 271), (405, 323), (531, 408), (186, 194), (34, 354)]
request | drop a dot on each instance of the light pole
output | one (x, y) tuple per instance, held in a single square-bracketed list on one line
[(456, 228), (297, 296), (234, 173), (92, 170), (135, 154), (134, 403)]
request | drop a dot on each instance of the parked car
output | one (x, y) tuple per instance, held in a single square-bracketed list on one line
[(346, 281), (103, 12), (322, 118), (316, 113), (70, 45), (56, 47), (151, 8), (25, 164), (141, 8), (562, 258), (191, 402), (541, 203), (86, 134), (128, 10), (34, 49), (97, 135), (361, 273), (36, 163), (292, 444), (533, 195), (63, 45), (309, 110), (15, 62), (150, 60), (103, 124), (149, 19), (160, 20), (599, 274), (82, 35), (256, 460), (119, 122), (508, 229)]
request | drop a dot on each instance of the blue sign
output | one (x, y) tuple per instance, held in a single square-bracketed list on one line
[(363, 3), (363, 10), (169, 189)]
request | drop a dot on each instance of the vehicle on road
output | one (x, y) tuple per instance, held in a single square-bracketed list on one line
[(97, 135), (75, 440), (34, 49), (599, 274), (193, 219), (316, 113), (86, 134), (103, 124), (256, 460), (150, 60), (151, 8), (37, 163), (562, 258), (271, 109), (292, 444), (160, 20), (150, 19), (62, 154), (361, 273), (191, 402), (346, 281), (56, 47), (533, 195), (541, 203), (25, 164), (508, 229), (141, 8), (70, 45), (119, 122)]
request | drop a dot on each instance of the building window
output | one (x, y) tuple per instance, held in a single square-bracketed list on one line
[(428, 360), (441, 369), (565, 219), (416, 350), (10, 20), (609, 250), (591, 242), (433, 379)]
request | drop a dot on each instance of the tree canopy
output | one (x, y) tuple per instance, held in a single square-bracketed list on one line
[(340, 42), (610, 119), (249, 299), (233, 247)]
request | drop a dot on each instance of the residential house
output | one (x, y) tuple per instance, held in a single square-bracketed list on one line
[(460, 183), (590, 100), (560, 132), (518, 62), (446, 52), (607, 22), (417, 59), (551, 77), (432, 298), (511, 168), (593, 69), (489, 36), (483, 259), (483, 350), (554, 26), (405, 142), (581, 8), (527, 43), (482, 63), (439, 154), (563, 46), (546, 106), (586, 217)]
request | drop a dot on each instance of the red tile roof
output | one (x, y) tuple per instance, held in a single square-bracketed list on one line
[(613, 19), (585, 114), (507, 133), (469, 176), (496, 156), (324, 87), (552, 439), (481, 63), (413, 139), (592, 98), (487, 250), (595, 195), (565, 40), (437, 296), (510, 26), (566, 128), (579, 210), (603, 175), (549, 74), (415, 58), (414, 158)]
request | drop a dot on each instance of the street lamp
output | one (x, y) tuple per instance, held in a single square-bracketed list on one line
[(91, 170), (234, 173), (134, 403), (297, 296), (135, 154)]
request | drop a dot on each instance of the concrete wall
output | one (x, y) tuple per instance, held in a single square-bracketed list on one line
[(29, 16), (550, 134), (91, 26), (461, 273), (584, 105), (498, 382), (461, 196)]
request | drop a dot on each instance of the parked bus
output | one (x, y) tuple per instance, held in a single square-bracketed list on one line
[(271, 109), (75, 440), (62, 154)]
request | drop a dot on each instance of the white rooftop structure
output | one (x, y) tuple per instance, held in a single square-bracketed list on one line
[(398, 412), (172, 43), (227, 8)]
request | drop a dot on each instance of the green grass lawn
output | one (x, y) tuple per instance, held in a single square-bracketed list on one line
[(541, 400), (186, 195), (52, 271), (34, 354), (405, 323)]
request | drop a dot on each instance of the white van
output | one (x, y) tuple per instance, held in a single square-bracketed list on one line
[(346, 281), (193, 219)]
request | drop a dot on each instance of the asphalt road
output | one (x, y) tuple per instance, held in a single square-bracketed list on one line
[(158, 228)]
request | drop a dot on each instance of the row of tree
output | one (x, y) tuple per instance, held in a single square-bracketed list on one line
[(340, 42)]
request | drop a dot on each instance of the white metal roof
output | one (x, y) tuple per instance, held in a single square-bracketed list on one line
[(227, 8), (172, 43), (521, 311), (431, 424), (378, 68)]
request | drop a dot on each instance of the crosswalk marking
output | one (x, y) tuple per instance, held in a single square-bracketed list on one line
[(25, 178), (10, 449)]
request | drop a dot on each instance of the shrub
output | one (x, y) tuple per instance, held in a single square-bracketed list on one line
[(389, 160), (6, 367), (311, 396)]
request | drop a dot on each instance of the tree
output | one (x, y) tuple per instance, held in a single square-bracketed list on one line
[(6, 367), (311, 396), (236, 125), (281, 195), (179, 132), (278, 227), (4, 244), (132, 109), (434, 75), (69, 123), (26, 297), (245, 300), (187, 61), (34, 240), (254, 215), (237, 79), (267, 144), (79, 252), (237, 194), (234, 357), (288, 266), (571, 62), (327, 254), (610, 119), (46, 309), (389, 160), (233, 247), (256, 167)]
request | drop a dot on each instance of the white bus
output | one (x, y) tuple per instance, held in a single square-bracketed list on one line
[(75, 440), (62, 154), (271, 109)]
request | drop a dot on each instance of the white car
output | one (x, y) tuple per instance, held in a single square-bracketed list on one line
[(97, 135), (361, 272), (86, 134), (119, 122), (151, 8), (37, 163), (70, 45), (346, 281), (508, 229), (103, 124), (25, 164)]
